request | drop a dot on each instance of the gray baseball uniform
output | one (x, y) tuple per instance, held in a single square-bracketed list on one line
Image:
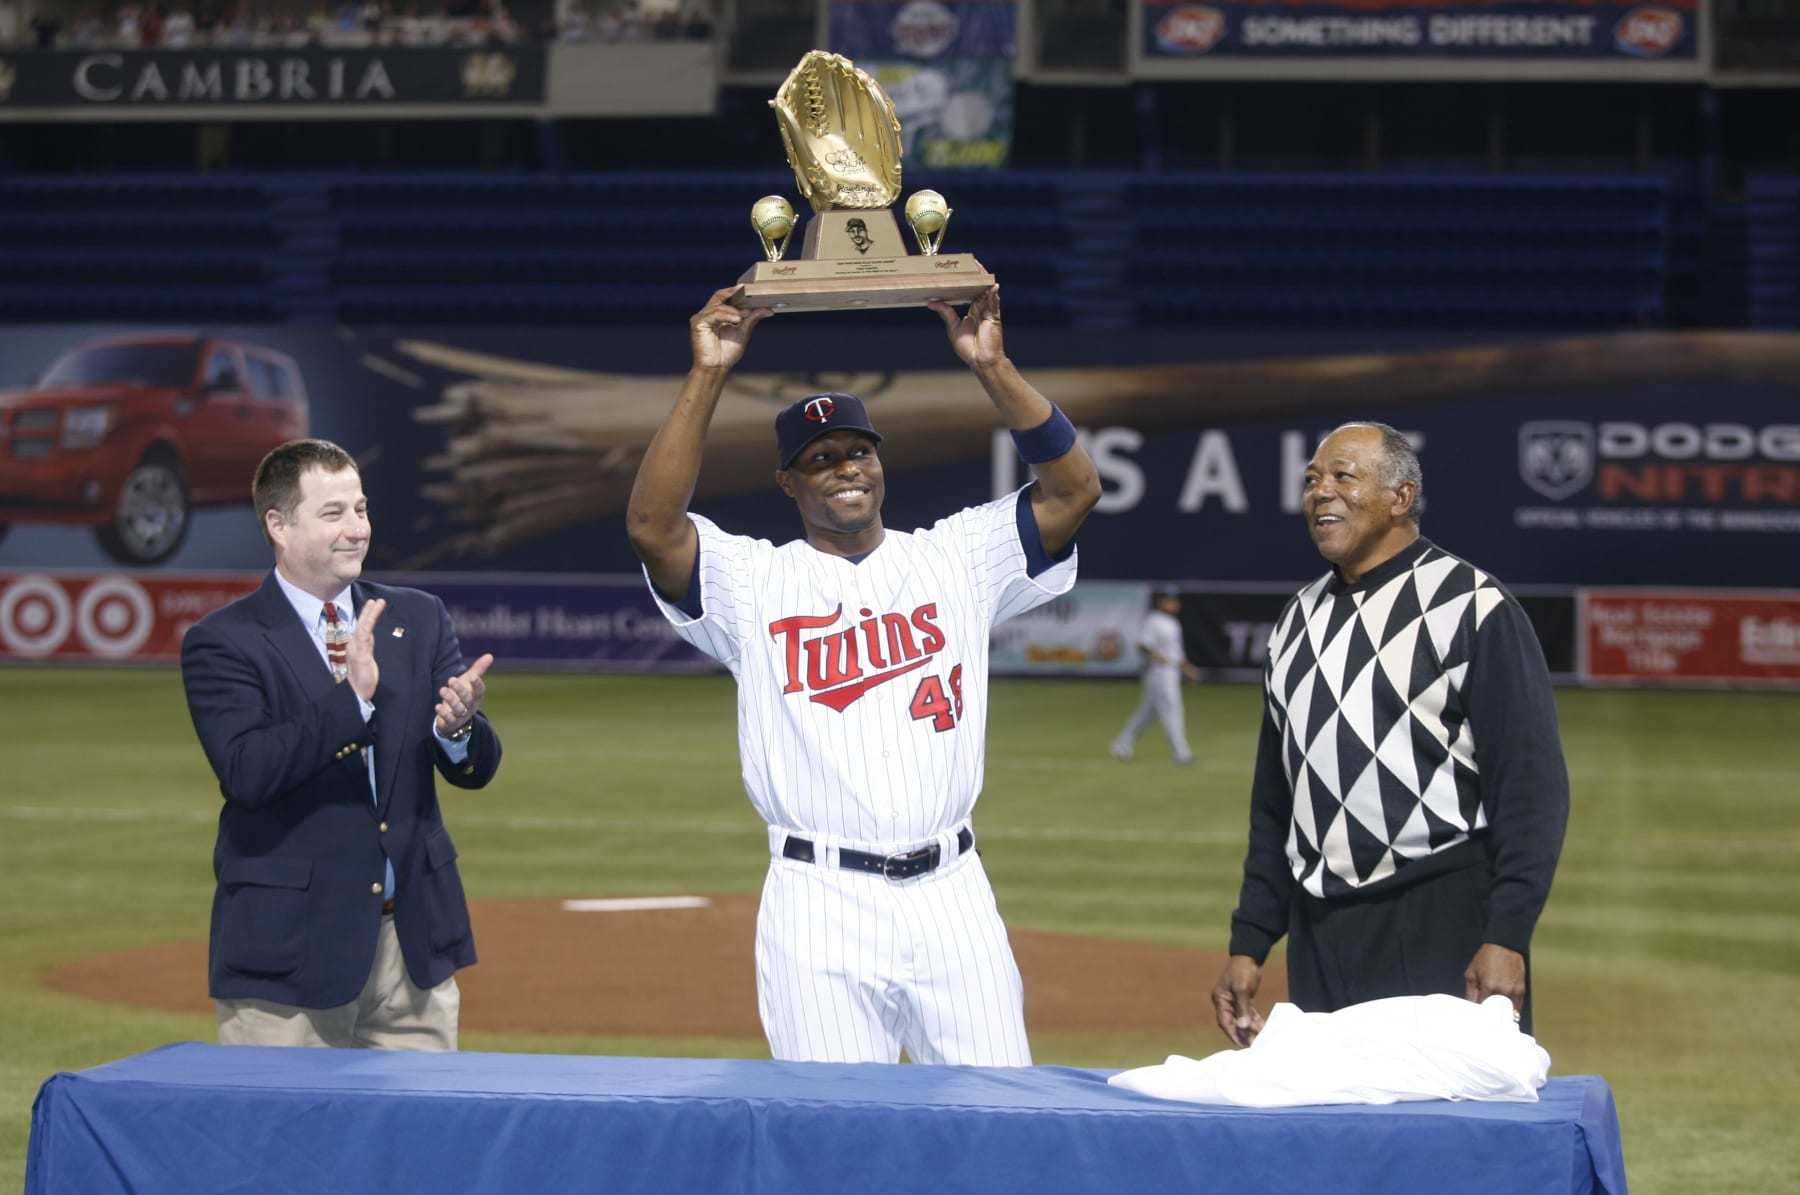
[(1161, 635)]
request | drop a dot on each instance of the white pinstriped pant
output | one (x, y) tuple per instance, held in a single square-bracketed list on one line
[(851, 967)]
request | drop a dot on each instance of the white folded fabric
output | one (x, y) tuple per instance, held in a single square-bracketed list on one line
[(1382, 1052)]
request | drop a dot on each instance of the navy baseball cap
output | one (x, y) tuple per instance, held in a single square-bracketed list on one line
[(816, 415)]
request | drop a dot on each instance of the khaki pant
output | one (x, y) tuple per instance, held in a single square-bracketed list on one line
[(391, 1014)]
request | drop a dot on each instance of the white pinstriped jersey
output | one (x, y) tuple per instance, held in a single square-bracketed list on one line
[(862, 688)]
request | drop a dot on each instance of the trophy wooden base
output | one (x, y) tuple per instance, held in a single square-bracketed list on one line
[(839, 285)]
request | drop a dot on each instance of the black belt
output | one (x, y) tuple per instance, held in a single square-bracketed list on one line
[(895, 867)]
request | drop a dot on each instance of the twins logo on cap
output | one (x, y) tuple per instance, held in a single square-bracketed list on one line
[(806, 419)]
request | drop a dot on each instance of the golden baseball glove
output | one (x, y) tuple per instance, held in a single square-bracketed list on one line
[(841, 134)]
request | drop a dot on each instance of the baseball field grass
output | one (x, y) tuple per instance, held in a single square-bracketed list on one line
[(1668, 960)]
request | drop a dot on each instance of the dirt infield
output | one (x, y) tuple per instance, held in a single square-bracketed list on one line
[(689, 972)]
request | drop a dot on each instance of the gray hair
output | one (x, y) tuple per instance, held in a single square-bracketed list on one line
[(1400, 464)]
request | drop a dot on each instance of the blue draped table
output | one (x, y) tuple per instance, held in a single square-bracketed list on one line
[(199, 1118)]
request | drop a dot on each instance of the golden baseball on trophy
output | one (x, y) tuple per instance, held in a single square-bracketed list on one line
[(927, 212), (773, 219)]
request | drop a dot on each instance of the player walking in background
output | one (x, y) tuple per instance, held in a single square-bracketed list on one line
[(1410, 797), (1165, 664), (861, 660)]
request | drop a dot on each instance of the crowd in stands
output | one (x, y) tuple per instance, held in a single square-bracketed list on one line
[(633, 20), (349, 24)]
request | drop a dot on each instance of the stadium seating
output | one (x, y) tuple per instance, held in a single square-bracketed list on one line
[(1772, 245), (150, 247), (1086, 250), (1428, 250)]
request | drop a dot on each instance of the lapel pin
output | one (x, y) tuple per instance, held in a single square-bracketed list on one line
[(399, 632)]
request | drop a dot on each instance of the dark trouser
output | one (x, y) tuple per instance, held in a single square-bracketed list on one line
[(1413, 941)]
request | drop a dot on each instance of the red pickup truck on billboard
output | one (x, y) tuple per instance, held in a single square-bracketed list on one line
[(128, 434)]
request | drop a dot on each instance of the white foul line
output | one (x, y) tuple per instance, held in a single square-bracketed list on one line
[(632, 904)]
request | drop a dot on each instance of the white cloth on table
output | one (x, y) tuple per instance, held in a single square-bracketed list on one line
[(1382, 1052)]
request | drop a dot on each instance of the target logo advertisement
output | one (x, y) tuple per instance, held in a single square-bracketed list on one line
[(107, 617)]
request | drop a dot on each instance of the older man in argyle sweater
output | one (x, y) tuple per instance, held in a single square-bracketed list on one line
[(1410, 794)]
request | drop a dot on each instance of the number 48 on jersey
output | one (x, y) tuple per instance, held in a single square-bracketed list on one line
[(929, 701)]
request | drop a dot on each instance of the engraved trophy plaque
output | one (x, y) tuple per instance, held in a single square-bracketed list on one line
[(843, 143)]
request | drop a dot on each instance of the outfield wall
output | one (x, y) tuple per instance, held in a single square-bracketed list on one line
[(1651, 470), (1717, 638)]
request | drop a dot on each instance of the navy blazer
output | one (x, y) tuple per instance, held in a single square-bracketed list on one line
[(299, 853)]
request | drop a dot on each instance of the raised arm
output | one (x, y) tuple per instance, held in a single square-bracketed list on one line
[(1067, 485), (656, 518)]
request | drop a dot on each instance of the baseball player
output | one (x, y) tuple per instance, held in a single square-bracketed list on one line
[(1165, 664), (861, 658)]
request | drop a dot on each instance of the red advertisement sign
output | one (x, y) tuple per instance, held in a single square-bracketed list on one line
[(108, 617), (1690, 637)]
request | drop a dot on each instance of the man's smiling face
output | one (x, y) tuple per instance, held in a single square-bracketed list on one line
[(320, 546), (1354, 517), (837, 483)]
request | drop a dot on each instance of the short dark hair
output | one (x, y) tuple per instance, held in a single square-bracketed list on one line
[(277, 483), (1400, 463)]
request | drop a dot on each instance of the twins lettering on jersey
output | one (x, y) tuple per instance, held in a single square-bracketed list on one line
[(843, 665)]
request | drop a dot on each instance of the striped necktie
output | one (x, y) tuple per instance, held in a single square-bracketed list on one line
[(337, 643)]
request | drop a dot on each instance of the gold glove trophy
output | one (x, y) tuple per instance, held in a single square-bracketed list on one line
[(843, 143)]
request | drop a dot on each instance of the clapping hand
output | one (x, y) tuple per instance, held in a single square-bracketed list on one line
[(461, 697), (365, 673)]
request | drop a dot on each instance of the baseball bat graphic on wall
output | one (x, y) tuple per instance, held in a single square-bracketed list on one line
[(533, 448)]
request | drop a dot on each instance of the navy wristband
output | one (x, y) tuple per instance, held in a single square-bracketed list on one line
[(1047, 441)]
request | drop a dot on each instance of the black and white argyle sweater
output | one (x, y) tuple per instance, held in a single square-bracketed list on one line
[(1408, 729)]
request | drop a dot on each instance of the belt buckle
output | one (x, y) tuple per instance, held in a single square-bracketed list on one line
[(893, 867)]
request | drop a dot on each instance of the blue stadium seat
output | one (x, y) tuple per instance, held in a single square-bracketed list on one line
[(1081, 249)]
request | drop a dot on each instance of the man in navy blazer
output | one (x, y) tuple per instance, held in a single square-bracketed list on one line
[(324, 703)]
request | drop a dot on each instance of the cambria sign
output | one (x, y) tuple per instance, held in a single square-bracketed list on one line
[(307, 77)]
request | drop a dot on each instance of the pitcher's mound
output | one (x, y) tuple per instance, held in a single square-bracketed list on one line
[(677, 972)]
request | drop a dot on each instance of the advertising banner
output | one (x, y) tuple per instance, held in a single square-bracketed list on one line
[(955, 113), (547, 623), (1541, 30), (881, 30), (142, 82), (108, 617), (1689, 637), (607, 624), (1644, 459), (1092, 630), (948, 68)]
